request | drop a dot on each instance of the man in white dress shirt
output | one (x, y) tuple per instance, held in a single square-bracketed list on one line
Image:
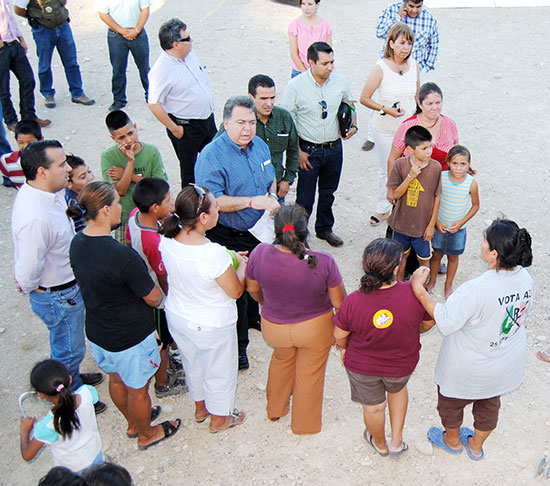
[(180, 97), (42, 233)]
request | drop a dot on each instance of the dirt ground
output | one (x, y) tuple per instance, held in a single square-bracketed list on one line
[(495, 83)]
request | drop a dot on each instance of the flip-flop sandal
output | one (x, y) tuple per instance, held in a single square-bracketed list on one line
[(155, 412), (374, 221), (200, 421), (465, 432), (235, 416), (435, 436), (368, 439), (543, 356), (398, 454), (169, 431)]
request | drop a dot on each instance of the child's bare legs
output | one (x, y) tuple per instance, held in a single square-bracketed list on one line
[(374, 417), (161, 376), (402, 265), (452, 266), (397, 404), (434, 268)]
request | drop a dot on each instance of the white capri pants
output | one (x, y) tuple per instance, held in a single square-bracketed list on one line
[(210, 359), (382, 144)]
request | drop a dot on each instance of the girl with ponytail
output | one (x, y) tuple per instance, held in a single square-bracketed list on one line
[(70, 428), (378, 330), (299, 290)]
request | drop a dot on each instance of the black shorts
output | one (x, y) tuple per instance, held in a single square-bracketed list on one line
[(162, 328)]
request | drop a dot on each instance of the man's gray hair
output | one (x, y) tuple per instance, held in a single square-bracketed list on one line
[(170, 32), (244, 101)]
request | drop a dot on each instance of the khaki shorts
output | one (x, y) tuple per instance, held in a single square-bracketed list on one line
[(371, 390)]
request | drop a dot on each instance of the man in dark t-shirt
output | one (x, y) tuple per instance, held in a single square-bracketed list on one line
[(119, 296)]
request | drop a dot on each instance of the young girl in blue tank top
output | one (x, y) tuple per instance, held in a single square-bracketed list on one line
[(459, 203)]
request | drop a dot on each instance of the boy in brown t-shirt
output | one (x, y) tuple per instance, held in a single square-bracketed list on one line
[(415, 183)]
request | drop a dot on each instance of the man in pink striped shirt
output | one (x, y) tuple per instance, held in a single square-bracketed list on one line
[(13, 57)]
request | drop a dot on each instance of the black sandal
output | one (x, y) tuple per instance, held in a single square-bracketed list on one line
[(169, 431), (155, 412)]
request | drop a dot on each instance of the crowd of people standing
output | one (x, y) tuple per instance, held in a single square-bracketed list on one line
[(230, 240)]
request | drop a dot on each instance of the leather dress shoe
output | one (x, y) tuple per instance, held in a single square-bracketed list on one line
[(92, 379), (332, 239), (43, 123)]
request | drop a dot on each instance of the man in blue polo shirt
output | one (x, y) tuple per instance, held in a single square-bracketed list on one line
[(237, 169)]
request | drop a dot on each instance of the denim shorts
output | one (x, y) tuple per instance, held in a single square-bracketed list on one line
[(135, 365), (422, 248), (449, 243)]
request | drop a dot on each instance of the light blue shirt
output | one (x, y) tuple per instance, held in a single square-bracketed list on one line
[(227, 169), (124, 12)]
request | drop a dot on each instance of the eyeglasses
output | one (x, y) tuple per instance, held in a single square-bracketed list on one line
[(324, 113), (202, 194), (186, 39)]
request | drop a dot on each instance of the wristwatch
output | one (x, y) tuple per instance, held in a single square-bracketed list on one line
[(381, 111)]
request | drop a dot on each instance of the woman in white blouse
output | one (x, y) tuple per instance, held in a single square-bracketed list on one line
[(200, 306), (396, 79)]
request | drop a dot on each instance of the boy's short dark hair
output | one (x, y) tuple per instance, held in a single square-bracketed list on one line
[(149, 191), (117, 119), (417, 135), (34, 156), (260, 80), (28, 127), (74, 161)]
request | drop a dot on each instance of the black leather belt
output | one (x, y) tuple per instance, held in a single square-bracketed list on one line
[(324, 145), (56, 288), (187, 121)]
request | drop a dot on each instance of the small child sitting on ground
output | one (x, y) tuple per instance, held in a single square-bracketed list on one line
[(26, 132), (154, 203), (415, 183)]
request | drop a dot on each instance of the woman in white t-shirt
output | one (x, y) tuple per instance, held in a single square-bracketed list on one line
[(200, 306), (482, 354)]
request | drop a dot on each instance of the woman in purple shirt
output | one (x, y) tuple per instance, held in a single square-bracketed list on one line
[(299, 290)]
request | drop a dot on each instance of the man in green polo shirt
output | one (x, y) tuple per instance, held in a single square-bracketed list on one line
[(276, 128), (125, 163)]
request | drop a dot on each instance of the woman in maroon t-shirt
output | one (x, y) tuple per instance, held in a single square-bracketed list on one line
[(298, 290), (378, 329)]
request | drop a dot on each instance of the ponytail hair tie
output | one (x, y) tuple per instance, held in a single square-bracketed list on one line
[(59, 387), (288, 227), (176, 215)]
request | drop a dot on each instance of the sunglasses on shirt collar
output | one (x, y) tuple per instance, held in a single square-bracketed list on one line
[(324, 112)]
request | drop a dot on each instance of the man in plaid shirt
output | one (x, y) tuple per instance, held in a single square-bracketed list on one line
[(423, 24)]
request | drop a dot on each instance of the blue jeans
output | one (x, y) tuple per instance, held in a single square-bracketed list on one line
[(119, 47), (325, 174), (63, 313), (61, 39), (14, 59), (4, 144)]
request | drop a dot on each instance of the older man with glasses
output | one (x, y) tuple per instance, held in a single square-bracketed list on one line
[(237, 169), (313, 99), (180, 97)]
